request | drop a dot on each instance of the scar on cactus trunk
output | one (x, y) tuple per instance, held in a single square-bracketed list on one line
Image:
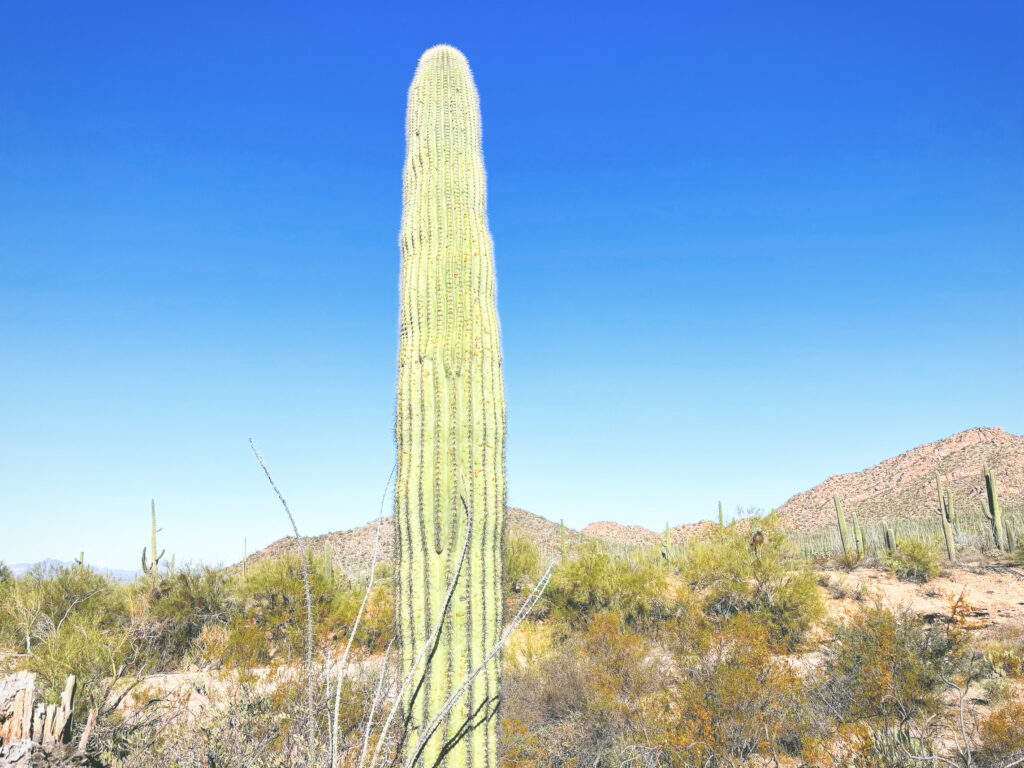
[(450, 425)]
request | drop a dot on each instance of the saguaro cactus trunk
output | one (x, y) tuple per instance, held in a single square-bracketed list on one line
[(450, 425)]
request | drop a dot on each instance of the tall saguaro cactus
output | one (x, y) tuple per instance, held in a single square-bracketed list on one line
[(154, 567), (450, 426), (844, 532)]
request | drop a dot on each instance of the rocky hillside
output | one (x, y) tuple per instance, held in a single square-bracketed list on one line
[(904, 486), (353, 550)]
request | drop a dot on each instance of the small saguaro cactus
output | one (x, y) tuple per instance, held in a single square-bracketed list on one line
[(450, 428), (994, 512), (944, 517), (563, 545), (951, 510), (81, 562), (721, 517), (844, 532), (1010, 536), (666, 543), (153, 568), (329, 563), (858, 536), (890, 540)]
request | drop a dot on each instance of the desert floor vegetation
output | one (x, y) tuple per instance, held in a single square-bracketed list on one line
[(710, 654)]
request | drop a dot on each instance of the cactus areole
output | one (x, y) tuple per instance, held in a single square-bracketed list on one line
[(450, 427)]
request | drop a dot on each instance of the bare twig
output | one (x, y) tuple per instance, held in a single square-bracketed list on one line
[(355, 626), (310, 682)]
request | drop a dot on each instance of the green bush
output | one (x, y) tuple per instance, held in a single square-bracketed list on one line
[(914, 560), (772, 584), (178, 608), (594, 581), (522, 566)]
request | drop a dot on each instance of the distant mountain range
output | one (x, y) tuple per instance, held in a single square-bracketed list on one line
[(20, 569), (902, 487)]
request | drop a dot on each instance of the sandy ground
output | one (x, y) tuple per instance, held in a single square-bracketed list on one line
[(995, 593)]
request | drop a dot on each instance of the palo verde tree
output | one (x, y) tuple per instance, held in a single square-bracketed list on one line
[(450, 428)]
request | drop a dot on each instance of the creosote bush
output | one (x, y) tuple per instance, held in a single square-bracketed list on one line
[(778, 587), (915, 560), (595, 581)]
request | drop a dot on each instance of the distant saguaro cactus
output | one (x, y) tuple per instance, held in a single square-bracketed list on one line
[(155, 567), (890, 540), (858, 536), (946, 517), (450, 427), (994, 512), (844, 532)]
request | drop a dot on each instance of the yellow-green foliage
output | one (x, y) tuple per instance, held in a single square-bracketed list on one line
[(579, 704), (177, 609), (884, 667), (594, 581), (522, 563), (268, 622), (728, 697), (914, 560), (1003, 733), (778, 588), (67, 621)]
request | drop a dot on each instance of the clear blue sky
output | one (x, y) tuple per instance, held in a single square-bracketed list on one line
[(740, 247)]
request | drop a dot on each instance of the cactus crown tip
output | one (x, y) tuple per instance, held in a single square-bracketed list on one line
[(443, 52)]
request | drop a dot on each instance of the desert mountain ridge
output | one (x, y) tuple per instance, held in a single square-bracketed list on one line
[(900, 487)]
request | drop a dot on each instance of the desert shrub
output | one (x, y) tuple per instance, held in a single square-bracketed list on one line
[(271, 618), (774, 585), (98, 657), (914, 560), (269, 622), (377, 626), (848, 560), (880, 688), (36, 605), (1002, 733), (522, 565), (580, 704), (594, 582), (246, 723), (176, 609), (6, 576), (728, 698), (1005, 652)]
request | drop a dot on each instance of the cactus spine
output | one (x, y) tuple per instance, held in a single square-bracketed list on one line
[(945, 518), (844, 532), (994, 513), (153, 568), (450, 424)]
